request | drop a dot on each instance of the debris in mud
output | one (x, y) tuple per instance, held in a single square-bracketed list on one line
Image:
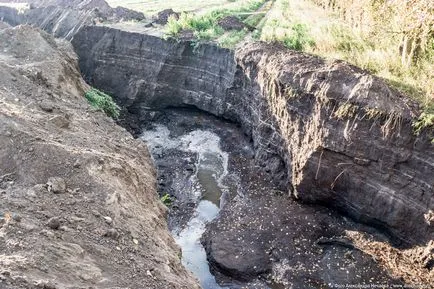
[(108, 220), (112, 233)]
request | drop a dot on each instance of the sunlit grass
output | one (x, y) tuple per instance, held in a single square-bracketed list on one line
[(152, 7), (205, 25), (332, 38)]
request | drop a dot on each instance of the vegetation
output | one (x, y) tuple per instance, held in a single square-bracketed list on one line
[(425, 120), (152, 7), (166, 199), (103, 101), (392, 39), (231, 39), (205, 26)]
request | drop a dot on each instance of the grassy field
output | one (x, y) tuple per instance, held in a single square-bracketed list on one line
[(154, 6), (376, 47), (322, 32)]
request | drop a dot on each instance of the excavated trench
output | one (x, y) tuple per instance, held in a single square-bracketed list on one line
[(234, 136)]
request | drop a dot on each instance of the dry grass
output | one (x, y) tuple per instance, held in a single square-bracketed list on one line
[(333, 38)]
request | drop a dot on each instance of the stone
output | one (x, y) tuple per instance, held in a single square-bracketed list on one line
[(238, 260), (60, 121), (56, 185), (16, 217), (46, 106), (111, 233), (108, 220), (54, 223), (77, 164)]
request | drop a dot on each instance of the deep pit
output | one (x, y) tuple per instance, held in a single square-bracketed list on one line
[(276, 171)]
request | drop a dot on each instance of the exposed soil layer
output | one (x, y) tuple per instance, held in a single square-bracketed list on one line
[(232, 23), (78, 201)]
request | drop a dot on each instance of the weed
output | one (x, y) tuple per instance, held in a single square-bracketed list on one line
[(425, 120), (345, 40), (254, 20), (299, 38), (208, 34), (103, 101), (166, 199), (372, 113), (173, 26)]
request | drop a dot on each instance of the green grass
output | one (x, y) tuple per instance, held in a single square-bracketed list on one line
[(103, 101), (301, 25), (231, 39), (299, 38), (205, 26), (425, 120)]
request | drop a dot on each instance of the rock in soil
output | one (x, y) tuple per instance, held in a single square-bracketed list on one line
[(56, 185)]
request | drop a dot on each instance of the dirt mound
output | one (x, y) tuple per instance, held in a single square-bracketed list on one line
[(64, 18), (232, 23), (122, 13), (4, 25), (163, 16), (78, 206)]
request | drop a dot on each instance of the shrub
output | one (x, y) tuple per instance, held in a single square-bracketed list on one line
[(210, 33), (173, 26), (103, 101), (425, 120), (166, 199)]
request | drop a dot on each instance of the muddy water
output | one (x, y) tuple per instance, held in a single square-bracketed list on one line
[(206, 189)]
